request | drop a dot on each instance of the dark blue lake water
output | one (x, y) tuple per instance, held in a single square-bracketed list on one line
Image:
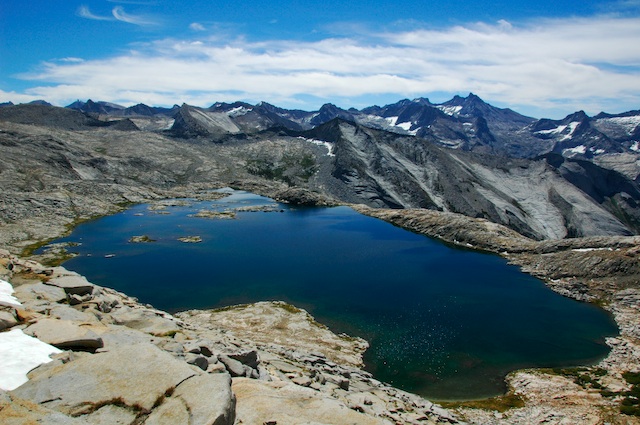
[(443, 322)]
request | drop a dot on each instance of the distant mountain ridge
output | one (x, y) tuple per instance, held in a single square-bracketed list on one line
[(466, 123)]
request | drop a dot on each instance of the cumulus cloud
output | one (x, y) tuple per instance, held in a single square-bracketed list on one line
[(544, 64)]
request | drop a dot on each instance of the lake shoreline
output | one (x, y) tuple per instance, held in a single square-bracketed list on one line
[(561, 264), (428, 343)]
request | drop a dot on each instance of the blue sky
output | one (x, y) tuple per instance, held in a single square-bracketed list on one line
[(544, 59)]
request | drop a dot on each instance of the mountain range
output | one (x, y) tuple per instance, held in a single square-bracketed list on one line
[(466, 123), (544, 178)]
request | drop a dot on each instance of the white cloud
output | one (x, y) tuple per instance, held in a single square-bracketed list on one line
[(120, 15), (117, 14), (84, 12), (562, 63), (195, 26)]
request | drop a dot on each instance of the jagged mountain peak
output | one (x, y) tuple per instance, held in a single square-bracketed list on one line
[(224, 107), (578, 116)]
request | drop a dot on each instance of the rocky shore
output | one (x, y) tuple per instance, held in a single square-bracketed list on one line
[(120, 362), (602, 270)]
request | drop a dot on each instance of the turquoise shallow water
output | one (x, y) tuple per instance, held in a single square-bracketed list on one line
[(443, 322)]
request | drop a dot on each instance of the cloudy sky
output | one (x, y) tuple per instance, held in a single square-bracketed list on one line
[(544, 59)]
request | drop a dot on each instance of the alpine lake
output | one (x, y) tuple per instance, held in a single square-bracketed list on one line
[(443, 322)]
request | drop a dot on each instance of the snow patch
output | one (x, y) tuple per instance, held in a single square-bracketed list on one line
[(562, 129), (327, 145), (635, 147), (449, 110), (406, 126), (582, 149), (392, 120), (239, 111), (591, 249), (630, 123), (19, 354), (559, 129), (6, 298)]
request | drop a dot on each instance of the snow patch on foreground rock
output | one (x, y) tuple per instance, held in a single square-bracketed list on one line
[(20, 353), (6, 297)]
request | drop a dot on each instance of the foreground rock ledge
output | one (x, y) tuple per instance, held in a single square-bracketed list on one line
[(128, 363)]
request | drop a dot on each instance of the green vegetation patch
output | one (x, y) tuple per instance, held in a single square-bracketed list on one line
[(499, 404), (288, 169), (586, 377), (631, 402)]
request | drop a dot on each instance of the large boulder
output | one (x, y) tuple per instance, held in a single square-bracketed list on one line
[(145, 320), (203, 400), (66, 334), (40, 291), (260, 402), (72, 283), (137, 376)]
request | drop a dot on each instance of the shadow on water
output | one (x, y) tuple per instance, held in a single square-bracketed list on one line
[(442, 322)]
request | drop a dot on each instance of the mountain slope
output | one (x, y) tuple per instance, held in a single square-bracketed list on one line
[(384, 169)]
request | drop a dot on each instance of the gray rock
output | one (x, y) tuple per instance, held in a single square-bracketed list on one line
[(209, 399), (282, 403), (121, 336), (192, 347), (206, 351), (64, 312), (134, 376), (16, 411), (33, 291), (72, 284), (111, 415), (303, 381), (204, 399), (65, 334), (75, 299), (250, 373), (197, 360), (263, 373), (144, 320), (339, 381), (249, 358), (234, 367), (7, 319), (172, 411)]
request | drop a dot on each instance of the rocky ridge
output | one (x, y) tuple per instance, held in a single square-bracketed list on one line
[(124, 362)]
